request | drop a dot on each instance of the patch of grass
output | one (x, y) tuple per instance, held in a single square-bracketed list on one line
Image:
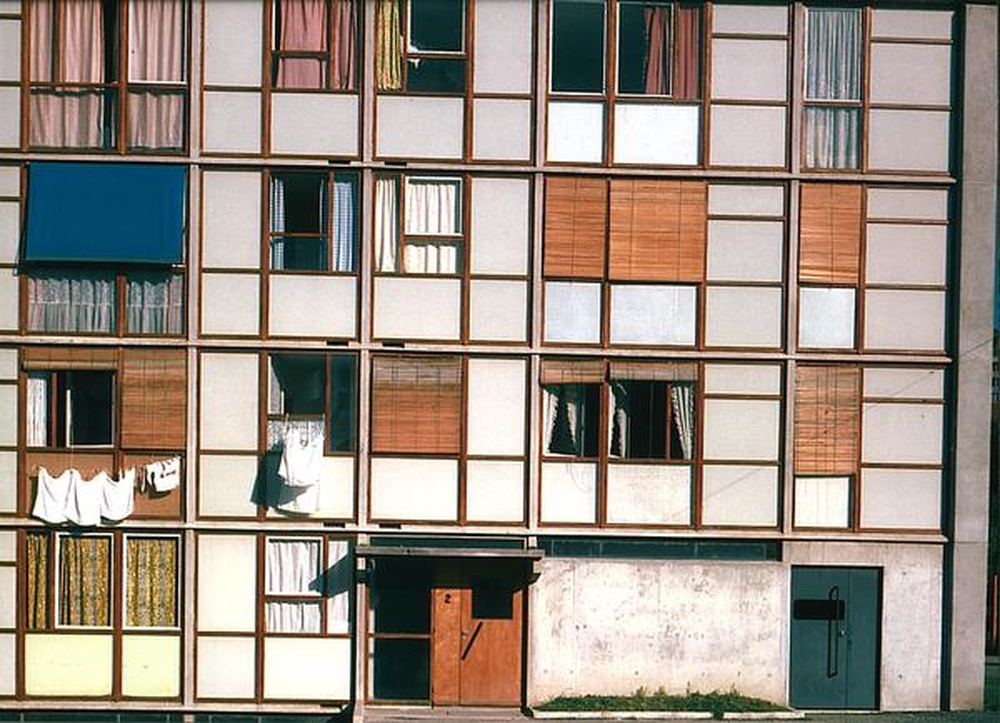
[(715, 702)]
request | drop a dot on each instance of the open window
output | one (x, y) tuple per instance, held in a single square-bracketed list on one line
[(651, 420), (429, 214), (313, 44), (313, 222), (70, 408), (430, 56), (571, 422), (314, 394)]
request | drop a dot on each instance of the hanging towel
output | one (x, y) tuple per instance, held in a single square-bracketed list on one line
[(164, 476), (301, 459), (52, 496), (118, 497), (86, 497)]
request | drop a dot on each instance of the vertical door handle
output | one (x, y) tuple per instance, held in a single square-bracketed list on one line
[(475, 634), (833, 633)]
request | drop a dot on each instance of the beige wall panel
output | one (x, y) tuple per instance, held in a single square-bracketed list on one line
[(501, 129), (910, 24), (741, 429), (67, 665), (414, 489), (749, 316), (916, 204), (736, 495), (307, 669), (230, 236), (749, 69), (745, 250), (904, 320), (8, 481), (417, 308), (743, 379), (649, 494), (747, 136), (230, 304), (8, 364), (826, 317), (151, 666), (494, 490), (419, 126), (503, 47), (8, 300), (8, 546), (302, 305), (336, 492), (572, 311), (500, 225), (575, 132), (10, 231), (10, 41), (883, 489), (226, 484), (890, 140), (232, 121), (911, 74), (496, 407), (569, 492), (10, 181), (10, 7), (8, 664), (225, 668), (904, 433), (650, 133), (498, 310), (229, 401), (904, 383), (316, 124), (738, 200), (750, 19), (8, 415), (10, 117), (232, 53), (648, 314), (900, 254), (822, 502), (8, 597), (227, 583)]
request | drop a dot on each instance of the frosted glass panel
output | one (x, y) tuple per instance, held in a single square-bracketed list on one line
[(661, 134), (826, 318), (653, 314), (822, 501), (572, 312), (576, 132)]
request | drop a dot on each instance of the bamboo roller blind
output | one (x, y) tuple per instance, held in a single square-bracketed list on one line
[(572, 371), (58, 358), (416, 405), (575, 226), (830, 233), (154, 398), (827, 419)]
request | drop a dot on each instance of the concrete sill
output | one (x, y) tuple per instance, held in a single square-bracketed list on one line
[(620, 714), (775, 715)]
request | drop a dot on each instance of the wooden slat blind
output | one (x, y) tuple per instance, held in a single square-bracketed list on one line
[(575, 226), (830, 235), (658, 230), (416, 405), (572, 371), (654, 371), (827, 419), (57, 358), (154, 399)]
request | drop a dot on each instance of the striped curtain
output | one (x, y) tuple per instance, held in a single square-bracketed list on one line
[(151, 582), (85, 581), (343, 224), (37, 581)]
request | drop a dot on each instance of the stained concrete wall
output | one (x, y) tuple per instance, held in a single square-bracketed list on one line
[(611, 626)]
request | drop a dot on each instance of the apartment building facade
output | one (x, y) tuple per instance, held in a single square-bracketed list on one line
[(476, 352)]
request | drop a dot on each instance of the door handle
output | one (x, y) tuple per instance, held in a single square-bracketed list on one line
[(472, 639), (833, 633)]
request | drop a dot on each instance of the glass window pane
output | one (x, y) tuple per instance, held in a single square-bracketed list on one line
[(826, 318), (298, 384), (299, 221), (71, 300), (435, 75), (577, 46), (343, 385), (436, 25), (433, 206), (293, 567), (292, 617), (154, 302), (644, 40), (571, 414), (89, 407), (401, 669), (638, 423)]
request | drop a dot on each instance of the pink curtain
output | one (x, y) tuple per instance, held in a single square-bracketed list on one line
[(657, 49), (156, 56), (303, 30), (342, 68), (687, 79)]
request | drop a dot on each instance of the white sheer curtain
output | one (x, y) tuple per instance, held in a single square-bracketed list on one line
[(618, 438), (339, 608), (432, 209), (386, 224), (565, 418), (344, 233), (682, 404), (154, 303), (832, 137), (78, 301), (292, 567), (833, 73), (37, 412)]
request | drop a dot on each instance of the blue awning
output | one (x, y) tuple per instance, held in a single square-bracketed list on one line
[(105, 213)]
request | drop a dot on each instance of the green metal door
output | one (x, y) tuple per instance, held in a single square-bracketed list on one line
[(835, 637)]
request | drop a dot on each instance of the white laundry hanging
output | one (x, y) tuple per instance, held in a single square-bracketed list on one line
[(86, 498), (118, 500), (52, 495)]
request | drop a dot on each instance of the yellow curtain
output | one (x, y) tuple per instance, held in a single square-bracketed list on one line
[(388, 46), (151, 582), (85, 581), (38, 581)]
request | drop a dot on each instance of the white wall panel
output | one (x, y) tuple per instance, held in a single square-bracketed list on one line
[(9, 300), (740, 495), (496, 406), (757, 19), (227, 583), (741, 429), (911, 74), (748, 316), (826, 317), (230, 304), (502, 129), (67, 665), (307, 669), (232, 122), (822, 502), (569, 492), (414, 489), (417, 308), (899, 383), (301, 305), (317, 124), (419, 126), (891, 134), (743, 379), (909, 24), (498, 310), (739, 200), (909, 320), (226, 485), (8, 481), (575, 132), (230, 236), (226, 668), (10, 181), (228, 404), (8, 597), (8, 415), (572, 311), (494, 490), (647, 314), (916, 204), (745, 250), (232, 48), (10, 41), (500, 225), (8, 664), (649, 133), (10, 231), (747, 136), (901, 254), (151, 666), (904, 433), (8, 365), (649, 494), (744, 69), (10, 117), (503, 47), (883, 489), (336, 491), (8, 546)]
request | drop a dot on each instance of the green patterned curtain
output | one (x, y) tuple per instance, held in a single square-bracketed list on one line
[(85, 581), (151, 582), (388, 46), (38, 581)]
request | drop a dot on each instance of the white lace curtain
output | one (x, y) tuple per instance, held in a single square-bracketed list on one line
[(81, 301), (154, 303), (37, 412), (386, 224), (833, 73)]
